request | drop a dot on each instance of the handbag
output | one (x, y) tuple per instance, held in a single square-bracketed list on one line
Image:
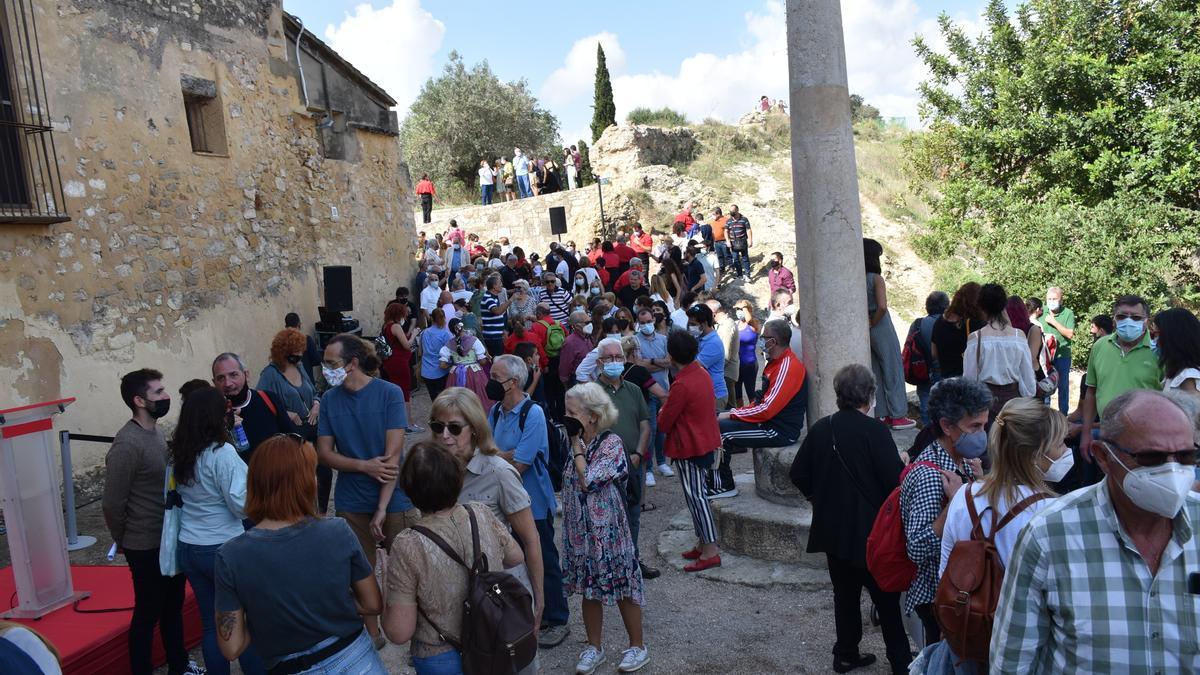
[(168, 543)]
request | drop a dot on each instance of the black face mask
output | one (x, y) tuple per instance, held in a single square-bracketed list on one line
[(240, 396), (159, 408), (623, 324), (494, 390), (574, 426), (294, 359)]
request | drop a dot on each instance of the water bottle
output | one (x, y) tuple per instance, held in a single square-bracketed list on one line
[(239, 438)]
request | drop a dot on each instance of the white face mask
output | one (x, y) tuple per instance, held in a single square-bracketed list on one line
[(1161, 490), (1053, 305), (334, 376), (1059, 468), (586, 328)]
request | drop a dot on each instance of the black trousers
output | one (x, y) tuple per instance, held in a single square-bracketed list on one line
[(156, 599), (435, 387), (426, 207), (324, 486), (848, 581), (555, 393), (933, 632)]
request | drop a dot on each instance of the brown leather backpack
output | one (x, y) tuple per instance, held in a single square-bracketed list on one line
[(497, 632), (966, 598)]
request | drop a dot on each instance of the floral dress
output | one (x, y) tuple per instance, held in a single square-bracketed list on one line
[(464, 354), (598, 556)]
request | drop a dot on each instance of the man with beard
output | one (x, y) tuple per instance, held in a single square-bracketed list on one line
[(256, 413)]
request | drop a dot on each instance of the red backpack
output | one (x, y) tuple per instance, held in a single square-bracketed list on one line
[(887, 547), (916, 365)]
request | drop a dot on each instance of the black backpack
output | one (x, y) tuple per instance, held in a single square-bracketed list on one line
[(557, 446), (497, 632)]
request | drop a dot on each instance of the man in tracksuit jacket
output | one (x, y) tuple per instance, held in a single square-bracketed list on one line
[(776, 418)]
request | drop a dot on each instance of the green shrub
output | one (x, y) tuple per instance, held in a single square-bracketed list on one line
[(663, 117)]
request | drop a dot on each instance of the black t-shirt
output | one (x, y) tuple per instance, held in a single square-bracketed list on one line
[(508, 276), (629, 294), (951, 341), (693, 272), (641, 377), (260, 423)]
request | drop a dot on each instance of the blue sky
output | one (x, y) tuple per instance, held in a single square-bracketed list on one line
[(713, 62)]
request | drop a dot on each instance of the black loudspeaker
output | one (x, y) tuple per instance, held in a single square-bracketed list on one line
[(339, 293), (558, 220)]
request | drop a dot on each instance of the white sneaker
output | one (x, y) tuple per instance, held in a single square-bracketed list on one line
[(650, 479), (633, 659), (590, 660), (666, 470)]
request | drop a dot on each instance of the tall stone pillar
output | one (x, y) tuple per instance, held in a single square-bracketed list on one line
[(829, 265)]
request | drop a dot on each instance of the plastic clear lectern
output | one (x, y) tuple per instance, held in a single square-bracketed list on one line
[(29, 491)]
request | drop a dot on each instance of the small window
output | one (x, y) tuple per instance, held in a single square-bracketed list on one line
[(205, 119), (332, 130)]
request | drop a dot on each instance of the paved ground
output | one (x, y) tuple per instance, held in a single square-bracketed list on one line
[(692, 625)]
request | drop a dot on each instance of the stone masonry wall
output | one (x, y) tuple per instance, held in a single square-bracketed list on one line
[(172, 256), (526, 222)]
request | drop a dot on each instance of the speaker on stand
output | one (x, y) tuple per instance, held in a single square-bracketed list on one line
[(339, 298), (558, 221)]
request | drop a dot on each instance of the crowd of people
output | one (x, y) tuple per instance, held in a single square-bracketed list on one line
[(504, 180), (564, 383)]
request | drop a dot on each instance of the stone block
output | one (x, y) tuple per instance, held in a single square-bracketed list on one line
[(772, 467), (752, 526)]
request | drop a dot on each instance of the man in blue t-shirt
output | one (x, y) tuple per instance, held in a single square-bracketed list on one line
[(526, 446), (433, 339), (712, 351), (366, 418)]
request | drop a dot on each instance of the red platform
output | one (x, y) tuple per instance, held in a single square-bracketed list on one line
[(98, 643)]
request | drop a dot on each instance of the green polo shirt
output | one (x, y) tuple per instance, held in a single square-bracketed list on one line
[(1113, 372), (1065, 317), (631, 410)]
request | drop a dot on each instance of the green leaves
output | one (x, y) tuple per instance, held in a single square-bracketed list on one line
[(604, 111)]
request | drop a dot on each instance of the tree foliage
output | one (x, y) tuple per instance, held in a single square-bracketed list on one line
[(663, 117), (1063, 147), (585, 169), (861, 111), (604, 111), (467, 115)]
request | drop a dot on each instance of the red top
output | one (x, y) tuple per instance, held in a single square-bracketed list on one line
[(689, 418), (612, 260), (685, 218), (594, 255), (641, 243), (786, 377), (511, 342), (477, 250), (539, 332), (425, 187), (624, 253)]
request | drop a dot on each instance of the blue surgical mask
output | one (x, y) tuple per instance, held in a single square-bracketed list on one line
[(971, 445), (741, 315), (1154, 345), (646, 328), (614, 370), (1129, 330)]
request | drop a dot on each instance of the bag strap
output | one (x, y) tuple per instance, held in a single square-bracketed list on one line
[(976, 521), (267, 399), (853, 479), (441, 543), (1019, 507)]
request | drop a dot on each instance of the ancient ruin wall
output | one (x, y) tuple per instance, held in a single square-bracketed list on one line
[(173, 256)]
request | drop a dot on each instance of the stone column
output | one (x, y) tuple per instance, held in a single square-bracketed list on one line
[(829, 266)]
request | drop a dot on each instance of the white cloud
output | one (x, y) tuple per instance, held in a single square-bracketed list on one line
[(394, 46), (881, 64)]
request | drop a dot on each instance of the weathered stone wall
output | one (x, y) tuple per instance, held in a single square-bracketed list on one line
[(172, 256), (526, 222), (623, 148)]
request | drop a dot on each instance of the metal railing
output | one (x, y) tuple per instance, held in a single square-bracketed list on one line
[(75, 541)]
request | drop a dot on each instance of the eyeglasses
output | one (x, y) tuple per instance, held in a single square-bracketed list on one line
[(1158, 458), (294, 436), (454, 427), (1135, 317), (615, 358)]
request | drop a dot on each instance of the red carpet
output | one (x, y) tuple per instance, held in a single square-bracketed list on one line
[(97, 643)]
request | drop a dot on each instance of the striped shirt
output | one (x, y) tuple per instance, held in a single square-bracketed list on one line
[(493, 324), (559, 302), (1079, 598)]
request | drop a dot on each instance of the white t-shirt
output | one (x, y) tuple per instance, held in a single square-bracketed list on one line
[(461, 295), (958, 522), (429, 297), (485, 176), (1178, 381)]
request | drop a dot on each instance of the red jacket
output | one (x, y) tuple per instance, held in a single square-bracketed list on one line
[(624, 253), (540, 331), (642, 243), (780, 407), (689, 417)]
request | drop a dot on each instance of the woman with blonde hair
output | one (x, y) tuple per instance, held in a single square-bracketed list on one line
[(599, 558), (459, 426)]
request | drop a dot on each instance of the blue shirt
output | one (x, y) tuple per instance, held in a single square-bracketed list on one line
[(654, 347), (526, 446), (432, 341), (359, 421), (712, 357)]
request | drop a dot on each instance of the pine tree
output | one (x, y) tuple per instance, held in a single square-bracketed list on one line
[(585, 171), (604, 112)]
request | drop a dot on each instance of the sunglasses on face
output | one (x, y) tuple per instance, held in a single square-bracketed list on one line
[(1158, 458), (454, 427)]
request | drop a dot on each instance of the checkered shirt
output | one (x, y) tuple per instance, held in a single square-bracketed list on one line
[(1079, 598), (921, 500)]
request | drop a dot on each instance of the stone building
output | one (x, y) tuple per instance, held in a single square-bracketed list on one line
[(172, 181)]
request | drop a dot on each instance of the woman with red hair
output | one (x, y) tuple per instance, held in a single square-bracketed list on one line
[(297, 586), (292, 384), (397, 369), (1018, 316)]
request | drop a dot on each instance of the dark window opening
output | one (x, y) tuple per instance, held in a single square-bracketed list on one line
[(206, 123)]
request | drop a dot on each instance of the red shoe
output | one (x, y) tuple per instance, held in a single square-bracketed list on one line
[(703, 564), (897, 423), (693, 554)]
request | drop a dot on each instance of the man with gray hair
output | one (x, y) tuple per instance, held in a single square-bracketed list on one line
[(520, 431), (635, 263), (1058, 322), (633, 426), (1098, 581), (635, 289), (252, 416)]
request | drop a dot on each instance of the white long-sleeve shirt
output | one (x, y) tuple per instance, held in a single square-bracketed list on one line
[(1000, 359)]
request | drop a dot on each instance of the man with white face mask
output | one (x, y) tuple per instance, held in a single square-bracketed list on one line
[(1059, 321), (1098, 581)]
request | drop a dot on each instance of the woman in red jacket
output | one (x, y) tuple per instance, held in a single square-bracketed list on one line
[(692, 438)]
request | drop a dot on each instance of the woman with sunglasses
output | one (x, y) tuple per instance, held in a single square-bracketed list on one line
[(458, 425), (211, 479), (282, 586)]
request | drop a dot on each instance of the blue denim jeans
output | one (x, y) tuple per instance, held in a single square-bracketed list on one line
[(923, 396), (357, 658), (723, 256), (656, 439), (198, 564), (446, 663), (486, 192), (556, 612), (523, 188), (740, 260), (1063, 367)]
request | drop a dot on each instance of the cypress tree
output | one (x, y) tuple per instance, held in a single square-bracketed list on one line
[(604, 111), (585, 171)]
